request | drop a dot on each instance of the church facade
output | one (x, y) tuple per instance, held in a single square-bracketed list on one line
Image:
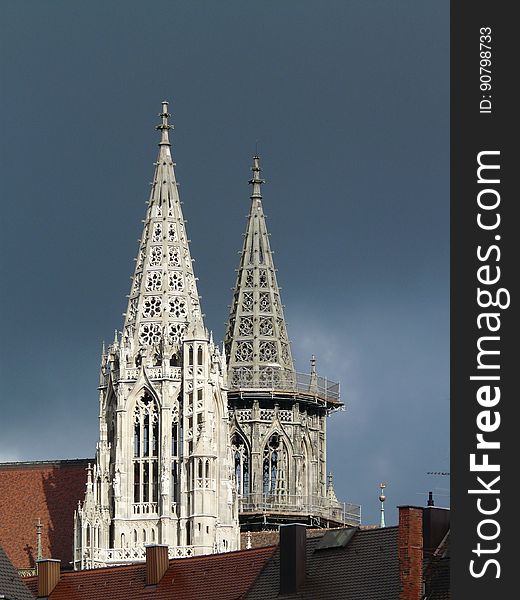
[(195, 441)]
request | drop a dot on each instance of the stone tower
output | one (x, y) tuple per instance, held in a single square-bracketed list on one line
[(278, 416), (163, 470)]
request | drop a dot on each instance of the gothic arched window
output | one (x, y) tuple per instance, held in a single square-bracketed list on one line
[(302, 476), (241, 464), (145, 451), (275, 467), (174, 480)]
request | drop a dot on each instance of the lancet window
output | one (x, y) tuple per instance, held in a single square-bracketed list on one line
[(145, 453), (176, 441), (275, 471), (241, 464)]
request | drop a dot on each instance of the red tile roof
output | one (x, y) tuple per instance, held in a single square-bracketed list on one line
[(47, 490), (226, 576)]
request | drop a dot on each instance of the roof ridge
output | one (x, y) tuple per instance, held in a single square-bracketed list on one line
[(34, 463), (173, 561)]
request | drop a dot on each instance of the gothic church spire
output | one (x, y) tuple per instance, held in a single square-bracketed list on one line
[(163, 301), (257, 344)]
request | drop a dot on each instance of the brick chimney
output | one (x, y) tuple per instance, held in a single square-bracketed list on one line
[(48, 576), (410, 551), (156, 563), (293, 551)]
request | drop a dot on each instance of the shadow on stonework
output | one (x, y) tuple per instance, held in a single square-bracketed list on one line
[(52, 549)]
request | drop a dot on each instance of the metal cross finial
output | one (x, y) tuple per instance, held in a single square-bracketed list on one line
[(164, 126)]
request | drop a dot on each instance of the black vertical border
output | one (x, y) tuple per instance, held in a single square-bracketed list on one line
[(471, 133)]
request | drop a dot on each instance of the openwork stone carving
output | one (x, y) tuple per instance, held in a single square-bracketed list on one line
[(177, 307), (151, 306), (242, 375), (263, 280), (173, 257), (153, 281), (266, 326), (282, 330), (149, 333), (155, 256), (246, 326), (137, 283), (175, 282), (132, 309), (172, 234), (265, 302), (247, 303), (140, 260), (269, 375), (285, 353), (176, 333), (157, 232), (267, 352), (244, 352), (277, 305), (249, 278)]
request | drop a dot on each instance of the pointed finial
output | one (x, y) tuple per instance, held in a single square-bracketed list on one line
[(382, 499), (39, 527), (164, 126), (331, 493), (256, 180), (313, 381), (89, 478)]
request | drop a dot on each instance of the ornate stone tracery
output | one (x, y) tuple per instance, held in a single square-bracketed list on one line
[(241, 463)]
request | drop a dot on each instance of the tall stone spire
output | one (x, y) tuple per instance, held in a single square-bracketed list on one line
[(163, 298), (257, 344), (162, 471)]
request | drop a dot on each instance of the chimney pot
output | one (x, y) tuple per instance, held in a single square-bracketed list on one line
[(48, 576), (293, 554), (156, 563)]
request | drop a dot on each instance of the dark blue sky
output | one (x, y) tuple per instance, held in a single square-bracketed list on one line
[(349, 102)]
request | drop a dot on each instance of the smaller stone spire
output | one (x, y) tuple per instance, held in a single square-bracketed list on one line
[(382, 499), (164, 125), (257, 344)]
